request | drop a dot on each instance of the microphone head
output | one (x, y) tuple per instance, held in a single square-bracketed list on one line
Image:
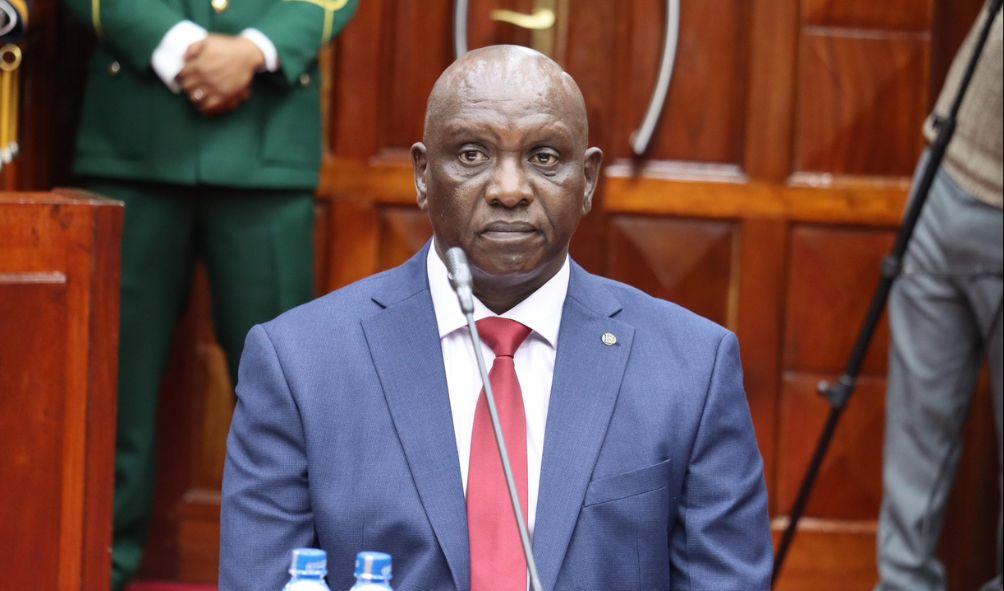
[(456, 265), (460, 278)]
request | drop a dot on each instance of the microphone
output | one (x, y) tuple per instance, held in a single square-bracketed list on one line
[(460, 278), (463, 284)]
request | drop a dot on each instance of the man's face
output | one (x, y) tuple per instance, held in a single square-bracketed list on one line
[(505, 175)]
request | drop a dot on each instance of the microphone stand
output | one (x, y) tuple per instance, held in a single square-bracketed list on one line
[(460, 278), (839, 394)]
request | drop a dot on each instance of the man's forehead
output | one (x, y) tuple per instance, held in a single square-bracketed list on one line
[(505, 79), (488, 118)]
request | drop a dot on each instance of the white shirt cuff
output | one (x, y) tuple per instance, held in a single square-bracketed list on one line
[(266, 46), (169, 56)]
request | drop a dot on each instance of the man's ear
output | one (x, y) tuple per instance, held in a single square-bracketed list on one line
[(420, 163), (591, 169)]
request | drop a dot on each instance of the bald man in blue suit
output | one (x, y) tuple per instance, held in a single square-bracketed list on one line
[(350, 434)]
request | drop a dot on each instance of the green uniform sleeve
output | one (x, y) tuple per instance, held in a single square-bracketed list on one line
[(133, 28), (300, 28)]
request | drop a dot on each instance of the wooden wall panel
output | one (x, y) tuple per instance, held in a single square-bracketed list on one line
[(704, 114), (868, 14), (690, 262), (355, 122), (832, 274), (771, 66), (861, 102), (418, 45), (830, 557), (761, 278), (33, 378), (850, 480), (595, 71), (403, 231)]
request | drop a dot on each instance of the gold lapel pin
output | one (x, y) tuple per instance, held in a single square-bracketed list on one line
[(609, 339)]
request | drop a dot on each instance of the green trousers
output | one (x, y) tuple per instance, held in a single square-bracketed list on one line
[(258, 248)]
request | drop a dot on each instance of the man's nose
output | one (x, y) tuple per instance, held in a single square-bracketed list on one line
[(509, 185)]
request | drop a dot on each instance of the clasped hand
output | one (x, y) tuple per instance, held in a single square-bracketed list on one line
[(218, 72)]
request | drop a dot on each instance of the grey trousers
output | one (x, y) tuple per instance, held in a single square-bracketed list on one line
[(945, 314)]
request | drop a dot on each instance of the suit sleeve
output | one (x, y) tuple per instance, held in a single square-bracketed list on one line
[(266, 509), (133, 28), (300, 28), (722, 540)]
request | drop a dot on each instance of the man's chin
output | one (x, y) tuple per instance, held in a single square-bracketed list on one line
[(515, 268)]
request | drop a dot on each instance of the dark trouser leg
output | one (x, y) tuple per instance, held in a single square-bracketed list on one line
[(157, 254), (258, 247)]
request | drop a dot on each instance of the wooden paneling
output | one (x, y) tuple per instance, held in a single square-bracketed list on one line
[(403, 231), (32, 382), (731, 196), (861, 102), (829, 556), (355, 124), (762, 257), (690, 262), (704, 114), (418, 45), (59, 272), (771, 67), (850, 481), (832, 274), (887, 14)]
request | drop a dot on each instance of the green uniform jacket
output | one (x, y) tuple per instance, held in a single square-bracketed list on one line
[(133, 127)]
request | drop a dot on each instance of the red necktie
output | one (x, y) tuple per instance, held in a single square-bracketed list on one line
[(497, 561)]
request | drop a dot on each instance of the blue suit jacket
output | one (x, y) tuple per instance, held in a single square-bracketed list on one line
[(342, 438)]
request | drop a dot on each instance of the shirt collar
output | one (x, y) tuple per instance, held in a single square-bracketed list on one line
[(540, 311)]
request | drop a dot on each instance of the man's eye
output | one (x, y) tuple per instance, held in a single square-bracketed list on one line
[(473, 156), (544, 158)]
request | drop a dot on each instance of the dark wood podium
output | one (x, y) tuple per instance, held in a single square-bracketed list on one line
[(59, 315)]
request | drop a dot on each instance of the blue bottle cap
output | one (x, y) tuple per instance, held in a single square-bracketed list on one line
[(309, 562), (373, 566)]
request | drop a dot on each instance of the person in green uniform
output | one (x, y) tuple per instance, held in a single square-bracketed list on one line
[(203, 116)]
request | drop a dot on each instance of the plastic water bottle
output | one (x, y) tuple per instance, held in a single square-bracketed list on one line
[(308, 570), (372, 572)]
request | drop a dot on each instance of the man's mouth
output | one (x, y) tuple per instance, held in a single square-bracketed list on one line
[(506, 231)]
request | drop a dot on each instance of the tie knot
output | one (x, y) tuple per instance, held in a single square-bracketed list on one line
[(503, 335)]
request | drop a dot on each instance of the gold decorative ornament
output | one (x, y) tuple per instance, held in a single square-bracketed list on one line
[(10, 90)]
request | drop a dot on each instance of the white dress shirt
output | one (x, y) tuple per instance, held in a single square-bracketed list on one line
[(534, 361), (169, 56)]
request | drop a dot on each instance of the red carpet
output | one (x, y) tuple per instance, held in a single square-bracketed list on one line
[(167, 586)]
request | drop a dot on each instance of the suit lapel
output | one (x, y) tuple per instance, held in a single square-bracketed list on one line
[(404, 344), (587, 378)]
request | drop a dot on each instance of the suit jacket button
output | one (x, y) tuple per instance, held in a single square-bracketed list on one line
[(114, 68), (304, 79), (220, 6)]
